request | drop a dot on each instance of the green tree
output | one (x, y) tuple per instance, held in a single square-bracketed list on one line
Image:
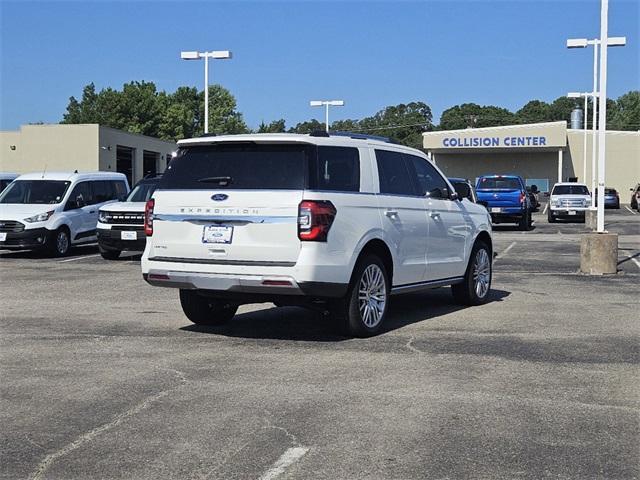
[(276, 126), (472, 115), (346, 125), (223, 116), (404, 123), (534, 111), (307, 127), (627, 113)]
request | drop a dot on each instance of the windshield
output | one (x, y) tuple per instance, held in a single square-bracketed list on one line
[(142, 192), (47, 192), (570, 190), (494, 183)]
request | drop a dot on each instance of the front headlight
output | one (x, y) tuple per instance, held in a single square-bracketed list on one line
[(102, 216), (587, 202), (555, 203), (41, 217)]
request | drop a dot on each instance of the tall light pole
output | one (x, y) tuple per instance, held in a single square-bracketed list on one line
[(586, 96), (195, 55), (327, 104), (597, 45)]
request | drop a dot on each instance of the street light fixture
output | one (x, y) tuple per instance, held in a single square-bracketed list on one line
[(327, 104), (195, 55), (599, 97)]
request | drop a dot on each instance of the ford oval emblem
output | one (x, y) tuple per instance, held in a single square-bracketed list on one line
[(219, 197)]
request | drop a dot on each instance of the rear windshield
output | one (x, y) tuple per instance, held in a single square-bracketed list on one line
[(142, 192), (35, 192), (250, 166), (570, 190), (493, 183), (238, 166)]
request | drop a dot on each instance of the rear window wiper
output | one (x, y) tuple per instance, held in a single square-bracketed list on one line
[(222, 181)]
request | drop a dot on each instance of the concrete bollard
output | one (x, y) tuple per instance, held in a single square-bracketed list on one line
[(599, 253), (591, 219)]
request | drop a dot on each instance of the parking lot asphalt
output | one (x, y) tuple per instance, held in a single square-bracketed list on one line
[(104, 377)]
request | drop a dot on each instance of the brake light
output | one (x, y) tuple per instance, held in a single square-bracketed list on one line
[(523, 196), (314, 220), (148, 217)]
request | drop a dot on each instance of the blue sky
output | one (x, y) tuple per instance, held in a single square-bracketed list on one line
[(371, 54)]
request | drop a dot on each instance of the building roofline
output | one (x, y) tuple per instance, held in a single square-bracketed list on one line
[(560, 124)]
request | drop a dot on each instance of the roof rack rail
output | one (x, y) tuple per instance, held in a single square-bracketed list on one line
[(318, 133), (363, 136), (207, 135), (152, 175)]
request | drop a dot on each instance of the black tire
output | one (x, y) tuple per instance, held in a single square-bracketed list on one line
[(469, 292), (60, 242), (109, 254), (365, 317), (525, 221), (550, 217), (202, 310)]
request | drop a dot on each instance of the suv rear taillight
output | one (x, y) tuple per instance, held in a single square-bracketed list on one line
[(148, 217), (523, 197), (314, 220)]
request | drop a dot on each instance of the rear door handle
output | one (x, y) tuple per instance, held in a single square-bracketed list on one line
[(391, 213), (435, 215)]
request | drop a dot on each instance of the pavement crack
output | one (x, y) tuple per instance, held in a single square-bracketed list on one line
[(91, 434), (410, 346)]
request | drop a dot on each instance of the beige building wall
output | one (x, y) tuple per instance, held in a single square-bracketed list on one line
[(86, 148), (622, 157), (110, 138), (54, 147)]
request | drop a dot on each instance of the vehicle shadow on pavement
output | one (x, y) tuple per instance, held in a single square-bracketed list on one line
[(298, 324), (43, 254), (511, 228)]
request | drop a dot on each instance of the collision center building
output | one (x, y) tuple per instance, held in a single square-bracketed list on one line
[(541, 153), (85, 148)]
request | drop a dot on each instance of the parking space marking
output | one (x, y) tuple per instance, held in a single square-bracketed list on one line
[(627, 207), (78, 258), (546, 205), (288, 458), (504, 252), (634, 260)]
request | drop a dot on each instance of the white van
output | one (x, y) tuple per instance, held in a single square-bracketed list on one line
[(54, 211)]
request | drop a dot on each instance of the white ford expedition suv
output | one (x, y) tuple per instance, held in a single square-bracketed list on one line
[(334, 222), (568, 200)]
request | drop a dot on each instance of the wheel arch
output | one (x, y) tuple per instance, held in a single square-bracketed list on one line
[(484, 237), (379, 248)]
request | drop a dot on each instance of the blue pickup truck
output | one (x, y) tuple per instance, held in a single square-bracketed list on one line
[(506, 199)]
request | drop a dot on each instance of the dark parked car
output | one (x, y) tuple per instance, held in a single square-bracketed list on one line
[(611, 198), (635, 197), (534, 197), (464, 189)]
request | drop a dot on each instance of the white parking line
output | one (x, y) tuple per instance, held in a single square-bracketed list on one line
[(504, 252), (546, 205), (288, 458), (78, 258), (635, 213), (634, 260)]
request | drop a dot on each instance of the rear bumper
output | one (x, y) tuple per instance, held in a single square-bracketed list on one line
[(33, 238), (506, 214), (112, 240), (245, 287), (566, 212)]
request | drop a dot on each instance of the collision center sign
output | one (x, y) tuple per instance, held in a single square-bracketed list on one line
[(534, 136), (475, 142)]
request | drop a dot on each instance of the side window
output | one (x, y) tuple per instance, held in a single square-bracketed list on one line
[(120, 189), (102, 191), (429, 181), (80, 196), (393, 173), (338, 169)]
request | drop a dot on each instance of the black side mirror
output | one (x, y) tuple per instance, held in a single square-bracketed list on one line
[(462, 190)]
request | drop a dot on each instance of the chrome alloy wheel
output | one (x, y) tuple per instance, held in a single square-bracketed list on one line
[(372, 295), (481, 273), (62, 242)]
